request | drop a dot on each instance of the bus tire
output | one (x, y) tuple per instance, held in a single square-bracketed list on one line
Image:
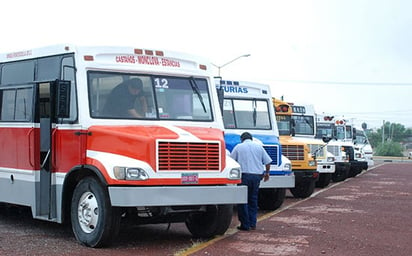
[(354, 172), (303, 189), (324, 180), (214, 221), (271, 198), (340, 175), (94, 221)]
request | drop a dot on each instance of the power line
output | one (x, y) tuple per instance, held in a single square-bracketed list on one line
[(344, 83), (403, 111)]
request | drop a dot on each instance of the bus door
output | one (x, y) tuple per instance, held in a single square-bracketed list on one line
[(44, 109), (52, 99)]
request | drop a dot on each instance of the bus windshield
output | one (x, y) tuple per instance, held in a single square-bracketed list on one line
[(304, 125), (361, 137), (127, 96), (246, 114), (324, 130), (283, 123)]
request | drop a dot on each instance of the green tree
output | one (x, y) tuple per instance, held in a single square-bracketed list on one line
[(391, 134), (390, 148)]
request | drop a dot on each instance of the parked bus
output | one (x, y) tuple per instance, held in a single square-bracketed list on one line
[(361, 141), (247, 107), (303, 164), (325, 127), (342, 132), (68, 157), (304, 123)]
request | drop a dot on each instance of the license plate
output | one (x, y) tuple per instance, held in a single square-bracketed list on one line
[(190, 178)]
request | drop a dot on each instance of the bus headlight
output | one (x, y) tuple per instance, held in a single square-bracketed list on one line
[(129, 173), (312, 163), (287, 167), (330, 159), (235, 174)]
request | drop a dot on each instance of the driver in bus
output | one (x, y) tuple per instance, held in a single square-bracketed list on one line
[(121, 100)]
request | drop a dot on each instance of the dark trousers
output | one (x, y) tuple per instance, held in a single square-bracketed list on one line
[(247, 213)]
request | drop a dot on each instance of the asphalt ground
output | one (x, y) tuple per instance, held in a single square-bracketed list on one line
[(370, 214)]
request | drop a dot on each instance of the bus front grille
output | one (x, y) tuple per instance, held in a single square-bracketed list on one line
[(273, 152), (294, 152), (190, 156)]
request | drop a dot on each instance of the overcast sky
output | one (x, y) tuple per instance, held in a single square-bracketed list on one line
[(350, 57)]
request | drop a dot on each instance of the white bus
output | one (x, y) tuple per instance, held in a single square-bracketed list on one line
[(304, 122), (247, 106), (70, 157), (342, 130), (361, 141)]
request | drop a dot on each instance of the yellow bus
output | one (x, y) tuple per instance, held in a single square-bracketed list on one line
[(303, 164)]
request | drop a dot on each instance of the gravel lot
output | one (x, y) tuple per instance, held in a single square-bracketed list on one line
[(366, 215)]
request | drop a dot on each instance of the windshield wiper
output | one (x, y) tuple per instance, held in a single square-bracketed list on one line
[(195, 89)]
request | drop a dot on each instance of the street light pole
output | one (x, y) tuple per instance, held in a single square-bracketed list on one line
[(227, 63)]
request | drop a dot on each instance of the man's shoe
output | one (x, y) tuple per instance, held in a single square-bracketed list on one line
[(252, 228), (242, 228)]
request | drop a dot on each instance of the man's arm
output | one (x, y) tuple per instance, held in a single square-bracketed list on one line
[(267, 170), (133, 113)]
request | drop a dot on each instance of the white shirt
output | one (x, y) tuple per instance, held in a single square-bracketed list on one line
[(251, 156)]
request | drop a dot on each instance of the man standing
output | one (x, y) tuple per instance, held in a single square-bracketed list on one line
[(251, 157)]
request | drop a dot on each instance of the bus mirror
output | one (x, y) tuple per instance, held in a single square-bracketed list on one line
[(326, 139), (62, 98)]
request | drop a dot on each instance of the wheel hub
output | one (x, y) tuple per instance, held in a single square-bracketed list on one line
[(88, 212)]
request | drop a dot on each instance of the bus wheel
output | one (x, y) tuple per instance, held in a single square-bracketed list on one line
[(324, 180), (303, 190), (94, 221), (271, 198), (214, 221), (340, 175)]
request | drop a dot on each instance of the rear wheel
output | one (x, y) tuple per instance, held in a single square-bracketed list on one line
[(303, 189), (94, 221), (214, 221), (271, 198)]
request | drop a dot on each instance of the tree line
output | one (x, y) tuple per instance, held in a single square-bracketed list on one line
[(390, 140)]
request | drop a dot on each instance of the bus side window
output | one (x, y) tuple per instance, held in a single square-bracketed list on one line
[(7, 105), (24, 104), (16, 104)]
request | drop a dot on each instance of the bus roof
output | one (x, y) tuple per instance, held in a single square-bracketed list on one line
[(116, 55)]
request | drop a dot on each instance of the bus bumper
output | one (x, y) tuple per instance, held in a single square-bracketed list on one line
[(326, 167), (177, 195), (279, 181), (306, 176)]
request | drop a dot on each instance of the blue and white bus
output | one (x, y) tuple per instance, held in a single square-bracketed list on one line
[(248, 107)]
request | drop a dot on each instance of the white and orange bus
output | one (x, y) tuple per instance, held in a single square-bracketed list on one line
[(69, 159)]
